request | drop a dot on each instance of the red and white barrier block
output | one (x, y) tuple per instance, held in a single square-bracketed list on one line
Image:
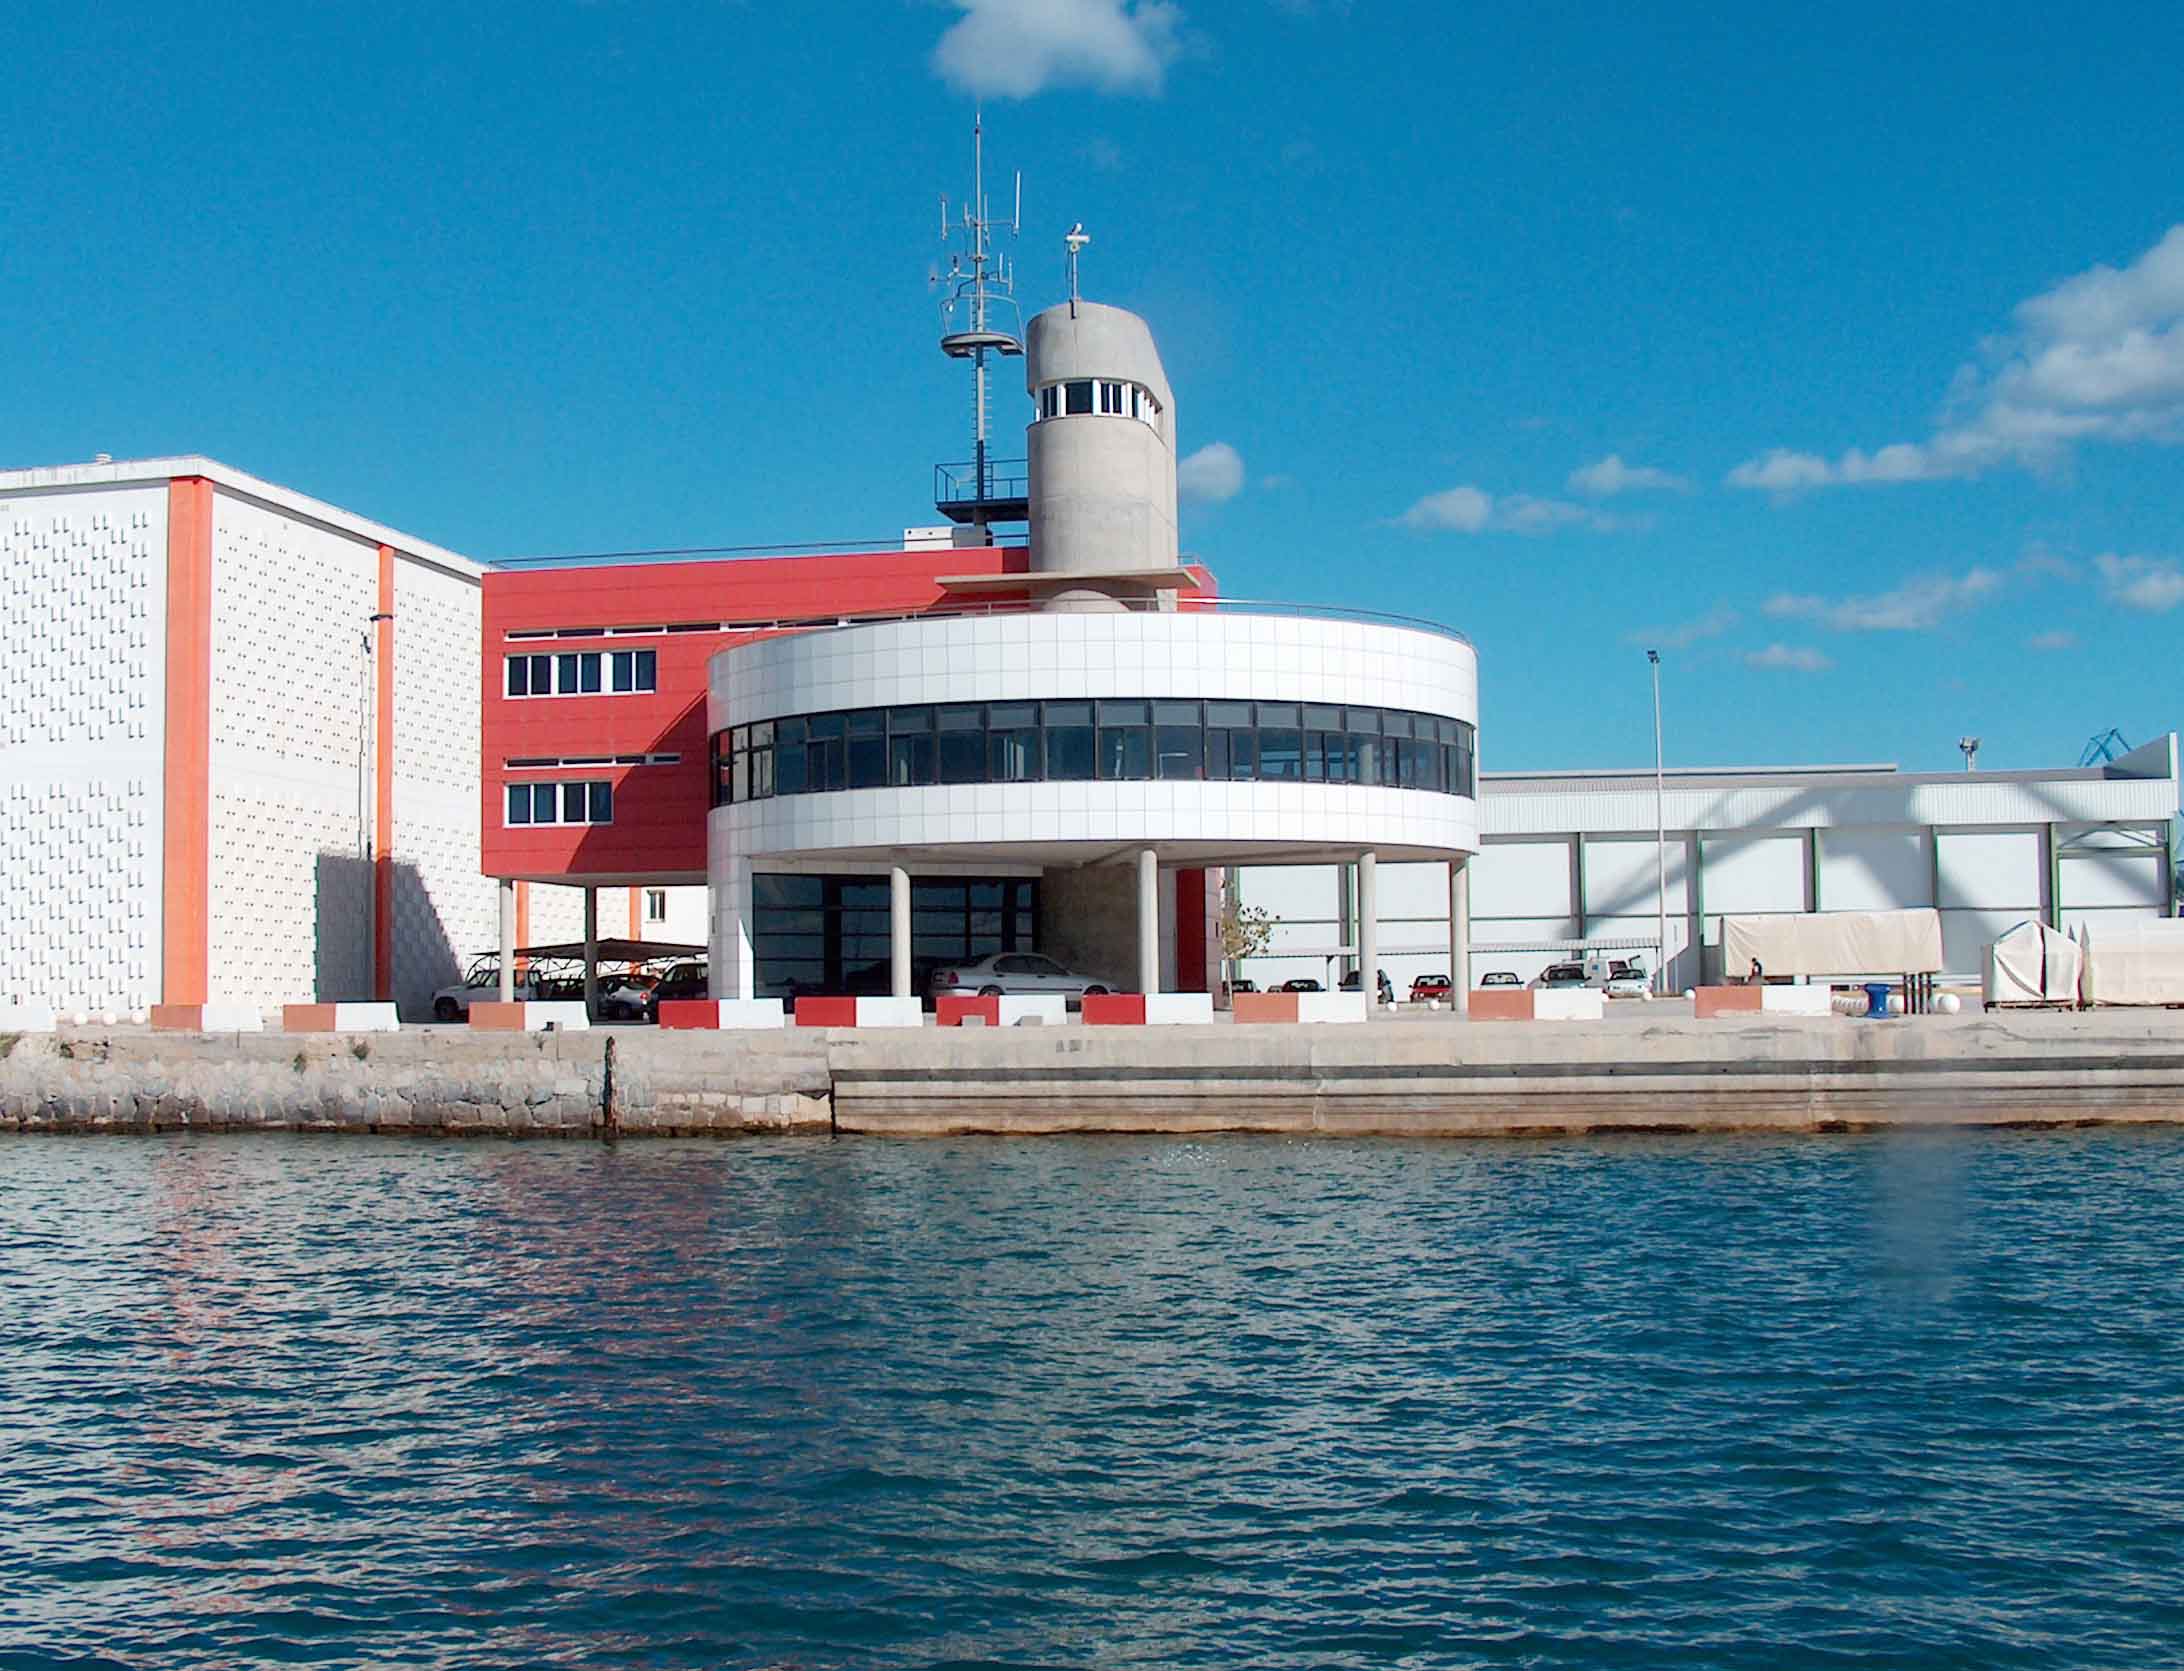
[(208, 1018), (1518, 1003), (1711, 1001), (529, 1015), (814, 1011), (723, 1014), (1298, 1006), (997, 1009), (339, 1018)]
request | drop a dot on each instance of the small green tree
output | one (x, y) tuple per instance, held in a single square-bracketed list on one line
[(1245, 930)]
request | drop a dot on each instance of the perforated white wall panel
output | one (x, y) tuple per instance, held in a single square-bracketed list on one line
[(291, 757), (445, 912), (83, 609)]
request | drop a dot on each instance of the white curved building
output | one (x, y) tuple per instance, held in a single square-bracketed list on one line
[(1108, 724)]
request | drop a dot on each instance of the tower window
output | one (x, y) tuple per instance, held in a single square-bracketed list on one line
[(1077, 397), (1050, 400), (1111, 400)]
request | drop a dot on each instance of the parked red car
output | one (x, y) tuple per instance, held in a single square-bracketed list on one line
[(1423, 987)]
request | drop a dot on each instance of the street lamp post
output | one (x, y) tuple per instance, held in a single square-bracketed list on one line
[(1660, 831)]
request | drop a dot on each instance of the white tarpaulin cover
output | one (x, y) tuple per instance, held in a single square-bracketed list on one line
[(2139, 961), (2033, 964), (1833, 943)]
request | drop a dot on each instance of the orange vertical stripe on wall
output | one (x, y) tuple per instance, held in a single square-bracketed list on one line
[(523, 918), (383, 777), (633, 934), (186, 839)]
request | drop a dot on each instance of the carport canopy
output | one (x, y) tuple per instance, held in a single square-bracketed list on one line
[(615, 951)]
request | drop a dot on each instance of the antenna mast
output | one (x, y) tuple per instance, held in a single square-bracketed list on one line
[(979, 283)]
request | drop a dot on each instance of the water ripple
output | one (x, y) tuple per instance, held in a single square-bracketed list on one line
[(1888, 1402)]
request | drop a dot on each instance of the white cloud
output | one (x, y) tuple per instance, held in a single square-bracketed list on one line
[(1471, 510), (2098, 357), (1712, 624), (2049, 642), (1915, 606), (1784, 658), (1015, 48), (1461, 510), (1609, 476), (1213, 473), (2154, 584)]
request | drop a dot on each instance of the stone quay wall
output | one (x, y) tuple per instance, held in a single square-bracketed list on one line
[(441, 1081), (1411, 1078)]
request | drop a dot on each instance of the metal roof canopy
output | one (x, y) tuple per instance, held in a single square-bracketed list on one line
[(615, 951)]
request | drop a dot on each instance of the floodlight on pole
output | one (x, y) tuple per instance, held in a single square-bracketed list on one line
[(1660, 829)]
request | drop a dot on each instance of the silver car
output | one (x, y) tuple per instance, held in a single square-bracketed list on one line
[(1012, 973)]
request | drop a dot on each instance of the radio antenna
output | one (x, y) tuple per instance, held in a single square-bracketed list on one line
[(980, 284)]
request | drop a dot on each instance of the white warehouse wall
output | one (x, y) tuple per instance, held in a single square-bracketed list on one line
[(83, 623), (444, 910)]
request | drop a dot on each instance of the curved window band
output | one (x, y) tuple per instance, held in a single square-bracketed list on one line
[(1083, 740)]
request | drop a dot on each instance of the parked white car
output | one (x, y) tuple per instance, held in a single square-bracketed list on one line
[(452, 1003), (1012, 973), (1631, 983)]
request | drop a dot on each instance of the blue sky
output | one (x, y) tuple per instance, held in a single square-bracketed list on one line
[(1839, 352)]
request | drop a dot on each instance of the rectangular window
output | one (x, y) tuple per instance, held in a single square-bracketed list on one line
[(636, 670), (1050, 400), (1068, 741), (1228, 714), (1077, 397), (1126, 751), (602, 803), (565, 675), (573, 803), (519, 675), (1244, 755), (1012, 742), (909, 761), (791, 769), (1217, 754), (963, 743), (655, 905), (868, 748), (824, 766), (1182, 752), (1281, 755), (1111, 400), (587, 674), (519, 803)]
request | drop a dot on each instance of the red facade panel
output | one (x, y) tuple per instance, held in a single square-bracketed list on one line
[(658, 828)]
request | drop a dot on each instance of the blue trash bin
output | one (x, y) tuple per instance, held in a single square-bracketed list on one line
[(1876, 998)]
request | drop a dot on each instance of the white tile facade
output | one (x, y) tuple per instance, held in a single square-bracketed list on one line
[(83, 610), (1012, 658)]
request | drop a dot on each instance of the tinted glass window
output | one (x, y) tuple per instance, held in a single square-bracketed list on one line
[(519, 803), (867, 762), (519, 676), (602, 803), (789, 769), (1281, 755), (1068, 750), (910, 761), (1182, 751), (1126, 752), (1228, 713), (962, 755), (1077, 397)]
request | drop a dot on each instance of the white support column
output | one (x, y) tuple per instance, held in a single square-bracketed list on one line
[(1148, 920), (1368, 928), (898, 932), (731, 968), (591, 954), (1459, 935), (507, 940)]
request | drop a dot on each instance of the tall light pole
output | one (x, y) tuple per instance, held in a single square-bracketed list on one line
[(1660, 830)]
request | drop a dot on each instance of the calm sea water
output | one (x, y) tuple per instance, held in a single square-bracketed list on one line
[(1903, 1402)]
